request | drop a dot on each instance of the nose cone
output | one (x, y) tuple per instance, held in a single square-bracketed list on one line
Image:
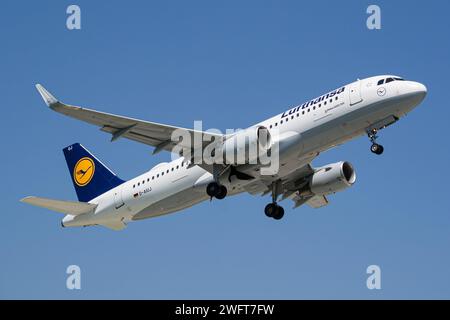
[(419, 89)]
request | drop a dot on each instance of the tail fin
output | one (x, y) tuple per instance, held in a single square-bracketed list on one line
[(90, 177)]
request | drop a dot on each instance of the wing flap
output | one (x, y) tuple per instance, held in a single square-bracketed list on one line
[(115, 225), (67, 207), (317, 202)]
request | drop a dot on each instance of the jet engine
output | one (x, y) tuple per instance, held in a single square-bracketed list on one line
[(246, 146), (330, 179)]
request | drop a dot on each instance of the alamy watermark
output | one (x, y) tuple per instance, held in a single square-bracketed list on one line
[(73, 21), (374, 279), (252, 146), (374, 20), (73, 281)]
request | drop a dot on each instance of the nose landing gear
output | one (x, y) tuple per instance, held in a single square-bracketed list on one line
[(273, 210), (375, 147)]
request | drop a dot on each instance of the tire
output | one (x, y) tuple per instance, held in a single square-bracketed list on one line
[(279, 213), (377, 149), (222, 192), (212, 189), (380, 149), (270, 209)]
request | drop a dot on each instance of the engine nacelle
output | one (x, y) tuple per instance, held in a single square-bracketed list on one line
[(332, 178), (246, 146)]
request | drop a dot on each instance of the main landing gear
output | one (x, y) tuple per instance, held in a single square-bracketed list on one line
[(375, 147), (215, 190), (273, 210)]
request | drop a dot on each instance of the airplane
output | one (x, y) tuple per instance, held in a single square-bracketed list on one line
[(301, 133)]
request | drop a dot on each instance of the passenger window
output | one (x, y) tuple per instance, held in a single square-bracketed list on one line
[(134, 186), (157, 175), (303, 112), (139, 184), (153, 178), (162, 173)]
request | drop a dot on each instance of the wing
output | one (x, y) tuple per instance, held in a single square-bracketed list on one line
[(151, 133)]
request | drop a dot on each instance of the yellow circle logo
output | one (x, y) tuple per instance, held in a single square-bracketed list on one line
[(83, 171)]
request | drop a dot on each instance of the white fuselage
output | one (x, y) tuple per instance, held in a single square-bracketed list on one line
[(310, 128)]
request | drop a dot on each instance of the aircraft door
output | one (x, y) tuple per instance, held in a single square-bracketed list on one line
[(118, 200), (355, 93)]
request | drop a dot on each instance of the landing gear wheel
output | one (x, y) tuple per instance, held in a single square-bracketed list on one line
[(279, 213), (212, 189), (377, 148), (222, 193), (270, 209), (216, 190), (275, 211)]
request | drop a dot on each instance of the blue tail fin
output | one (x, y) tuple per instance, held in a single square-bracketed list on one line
[(90, 177)]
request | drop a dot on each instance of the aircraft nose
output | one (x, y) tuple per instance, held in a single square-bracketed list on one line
[(419, 88)]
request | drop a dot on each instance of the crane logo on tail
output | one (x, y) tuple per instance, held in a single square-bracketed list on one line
[(83, 171)]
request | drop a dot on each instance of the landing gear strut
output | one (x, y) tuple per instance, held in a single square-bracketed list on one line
[(375, 147), (273, 210)]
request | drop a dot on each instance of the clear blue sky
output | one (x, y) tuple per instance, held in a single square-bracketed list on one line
[(230, 64)]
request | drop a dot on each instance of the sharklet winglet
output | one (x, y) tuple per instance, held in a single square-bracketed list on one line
[(49, 99)]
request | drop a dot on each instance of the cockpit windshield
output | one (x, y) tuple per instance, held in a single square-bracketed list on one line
[(387, 80)]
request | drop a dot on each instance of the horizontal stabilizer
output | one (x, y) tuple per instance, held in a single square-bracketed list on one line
[(67, 207)]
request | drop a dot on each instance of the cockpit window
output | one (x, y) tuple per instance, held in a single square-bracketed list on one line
[(383, 81)]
